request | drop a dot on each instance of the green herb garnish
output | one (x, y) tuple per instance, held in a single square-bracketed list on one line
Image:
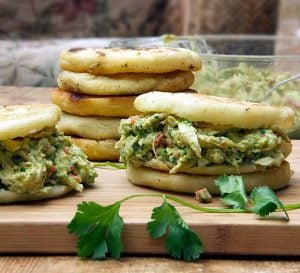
[(232, 190), (265, 202), (99, 228), (181, 240), (263, 198)]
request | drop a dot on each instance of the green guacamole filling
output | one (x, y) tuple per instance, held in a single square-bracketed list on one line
[(35, 163), (182, 144)]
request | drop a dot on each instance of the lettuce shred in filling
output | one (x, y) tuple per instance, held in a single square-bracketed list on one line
[(182, 144), (35, 163)]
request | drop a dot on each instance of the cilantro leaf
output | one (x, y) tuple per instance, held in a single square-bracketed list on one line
[(98, 229), (265, 201), (181, 240), (232, 190)]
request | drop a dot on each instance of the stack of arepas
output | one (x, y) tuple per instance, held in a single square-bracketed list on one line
[(98, 86)]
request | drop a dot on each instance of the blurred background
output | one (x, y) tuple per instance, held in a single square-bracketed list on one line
[(34, 32), (36, 19)]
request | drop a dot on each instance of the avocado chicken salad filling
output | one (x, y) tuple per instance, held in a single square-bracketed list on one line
[(181, 144), (37, 162)]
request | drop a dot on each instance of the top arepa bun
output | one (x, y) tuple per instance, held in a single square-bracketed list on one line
[(21, 120), (216, 110), (124, 60)]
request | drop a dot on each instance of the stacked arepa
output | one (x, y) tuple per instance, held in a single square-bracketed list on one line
[(97, 88)]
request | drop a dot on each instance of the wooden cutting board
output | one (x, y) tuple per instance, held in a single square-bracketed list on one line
[(41, 227)]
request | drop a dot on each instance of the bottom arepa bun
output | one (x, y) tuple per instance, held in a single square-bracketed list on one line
[(55, 191), (274, 177)]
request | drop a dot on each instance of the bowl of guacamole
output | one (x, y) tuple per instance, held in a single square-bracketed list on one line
[(244, 81)]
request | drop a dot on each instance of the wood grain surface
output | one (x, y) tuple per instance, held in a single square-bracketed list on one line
[(227, 237), (69, 264)]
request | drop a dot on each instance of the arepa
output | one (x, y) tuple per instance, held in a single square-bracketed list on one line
[(55, 191), (98, 149), (89, 127), (21, 120), (102, 61), (216, 110), (124, 84), (275, 178), (88, 105)]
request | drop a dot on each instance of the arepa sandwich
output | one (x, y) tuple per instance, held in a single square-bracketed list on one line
[(36, 160), (184, 141)]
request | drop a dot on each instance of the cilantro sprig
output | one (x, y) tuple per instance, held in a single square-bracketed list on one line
[(233, 193), (181, 240), (232, 190), (265, 202), (99, 228)]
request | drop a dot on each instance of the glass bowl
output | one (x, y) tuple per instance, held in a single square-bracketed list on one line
[(241, 67)]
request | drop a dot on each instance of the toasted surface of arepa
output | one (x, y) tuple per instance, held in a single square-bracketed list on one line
[(215, 110), (21, 120), (124, 60), (88, 105), (124, 84), (89, 127)]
